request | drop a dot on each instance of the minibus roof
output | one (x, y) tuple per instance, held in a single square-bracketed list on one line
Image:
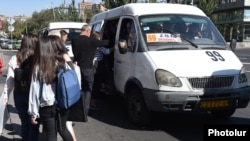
[(137, 9), (61, 25)]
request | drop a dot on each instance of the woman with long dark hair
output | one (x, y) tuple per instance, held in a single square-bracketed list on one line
[(42, 102), (23, 57)]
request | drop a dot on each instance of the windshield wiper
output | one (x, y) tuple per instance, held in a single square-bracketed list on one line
[(174, 48), (192, 43)]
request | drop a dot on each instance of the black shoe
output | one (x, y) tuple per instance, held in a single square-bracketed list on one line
[(94, 107), (102, 90)]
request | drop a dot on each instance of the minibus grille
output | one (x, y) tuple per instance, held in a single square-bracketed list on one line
[(211, 82)]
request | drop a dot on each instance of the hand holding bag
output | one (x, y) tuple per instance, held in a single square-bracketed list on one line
[(78, 73)]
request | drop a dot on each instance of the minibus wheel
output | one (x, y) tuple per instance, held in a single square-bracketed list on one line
[(138, 112), (222, 113)]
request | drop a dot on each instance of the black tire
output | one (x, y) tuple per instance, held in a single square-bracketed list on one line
[(222, 114), (138, 112)]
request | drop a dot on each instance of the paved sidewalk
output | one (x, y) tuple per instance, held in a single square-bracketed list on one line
[(12, 129)]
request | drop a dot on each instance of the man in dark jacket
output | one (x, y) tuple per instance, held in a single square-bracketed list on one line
[(84, 48)]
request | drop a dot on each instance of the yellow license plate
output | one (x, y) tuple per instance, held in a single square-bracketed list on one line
[(214, 104)]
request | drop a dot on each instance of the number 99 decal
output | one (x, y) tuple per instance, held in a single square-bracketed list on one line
[(215, 56)]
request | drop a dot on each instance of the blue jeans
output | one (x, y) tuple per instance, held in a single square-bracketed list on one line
[(29, 132)]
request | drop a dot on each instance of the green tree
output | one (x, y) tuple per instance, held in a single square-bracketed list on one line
[(73, 12), (19, 25), (186, 2), (207, 6), (110, 4), (19, 29), (88, 15), (41, 19)]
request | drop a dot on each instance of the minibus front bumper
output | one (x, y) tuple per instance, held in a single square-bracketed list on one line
[(196, 101)]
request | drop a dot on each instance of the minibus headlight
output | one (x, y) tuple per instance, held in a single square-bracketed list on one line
[(167, 79), (242, 76)]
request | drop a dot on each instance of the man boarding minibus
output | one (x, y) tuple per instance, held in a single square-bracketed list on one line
[(160, 65)]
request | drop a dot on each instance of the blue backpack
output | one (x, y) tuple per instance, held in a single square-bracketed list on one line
[(68, 90)]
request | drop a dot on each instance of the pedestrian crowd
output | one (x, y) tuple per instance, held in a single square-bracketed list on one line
[(44, 56)]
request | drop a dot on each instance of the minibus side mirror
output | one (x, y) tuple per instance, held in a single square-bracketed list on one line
[(123, 48), (233, 44)]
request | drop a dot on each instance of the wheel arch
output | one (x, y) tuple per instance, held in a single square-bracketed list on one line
[(133, 83), (137, 110)]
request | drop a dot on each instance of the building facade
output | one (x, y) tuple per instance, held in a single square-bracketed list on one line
[(94, 7), (232, 18)]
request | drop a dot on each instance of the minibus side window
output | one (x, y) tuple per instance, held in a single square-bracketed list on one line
[(96, 27), (128, 33)]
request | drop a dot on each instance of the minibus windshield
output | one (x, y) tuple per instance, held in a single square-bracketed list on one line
[(178, 31)]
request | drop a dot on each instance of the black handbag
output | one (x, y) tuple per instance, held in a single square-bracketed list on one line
[(78, 112)]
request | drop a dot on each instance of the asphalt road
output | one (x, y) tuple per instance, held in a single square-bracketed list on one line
[(110, 122), (244, 55)]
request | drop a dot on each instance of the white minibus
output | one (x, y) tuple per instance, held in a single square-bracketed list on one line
[(74, 29), (171, 58)]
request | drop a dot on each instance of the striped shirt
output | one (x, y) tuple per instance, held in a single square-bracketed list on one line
[(100, 51)]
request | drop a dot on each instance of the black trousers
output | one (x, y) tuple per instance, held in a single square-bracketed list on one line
[(49, 118), (87, 84)]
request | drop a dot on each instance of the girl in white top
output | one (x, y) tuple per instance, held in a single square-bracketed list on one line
[(29, 132)]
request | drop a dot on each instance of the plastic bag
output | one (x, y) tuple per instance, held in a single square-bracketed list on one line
[(78, 73), (3, 115)]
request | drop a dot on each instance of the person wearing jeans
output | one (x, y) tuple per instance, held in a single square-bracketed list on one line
[(29, 132)]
